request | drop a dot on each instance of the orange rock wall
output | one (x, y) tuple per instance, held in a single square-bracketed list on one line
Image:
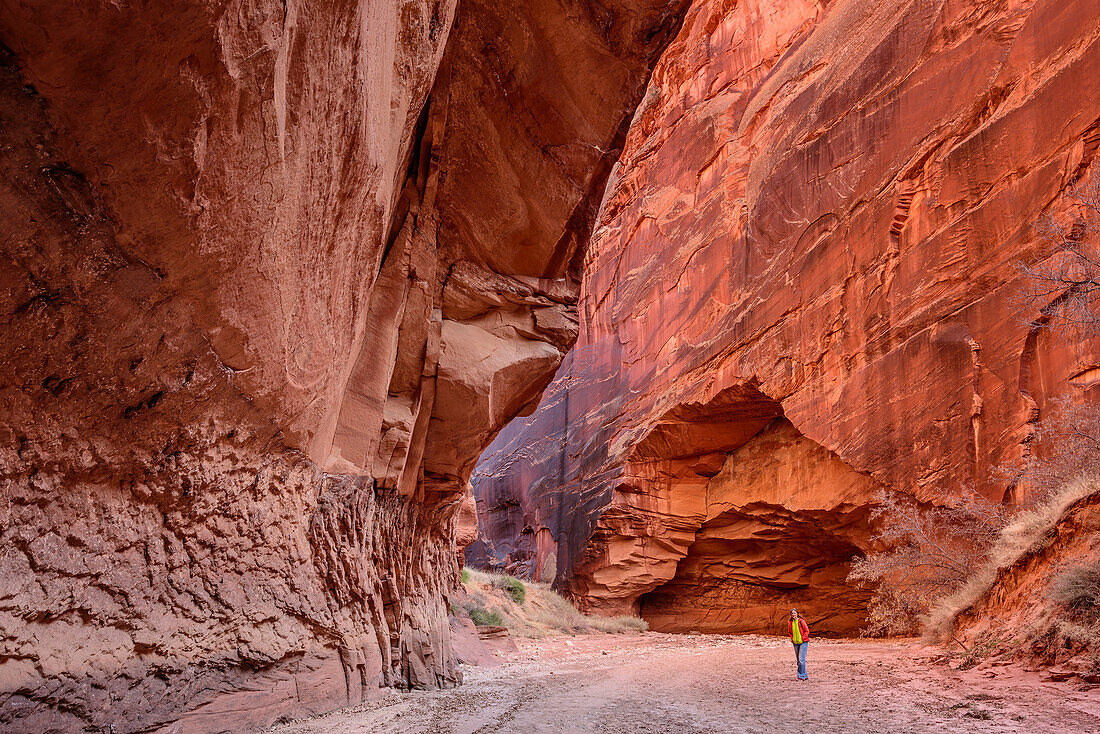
[(274, 273), (815, 219), (1019, 614)]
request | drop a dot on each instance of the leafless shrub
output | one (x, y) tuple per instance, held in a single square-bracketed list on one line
[(928, 551), (1065, 288), (1071, 434)]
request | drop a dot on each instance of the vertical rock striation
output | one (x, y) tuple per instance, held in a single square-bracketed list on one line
[(273, 275), (801, 289)]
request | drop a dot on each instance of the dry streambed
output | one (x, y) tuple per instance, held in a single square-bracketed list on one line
[(677, 683)]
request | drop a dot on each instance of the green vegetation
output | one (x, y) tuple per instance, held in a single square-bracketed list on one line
[(484, 618), (532, 609), (515, 589)]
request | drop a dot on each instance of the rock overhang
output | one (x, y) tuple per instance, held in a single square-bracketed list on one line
[(256, 253)]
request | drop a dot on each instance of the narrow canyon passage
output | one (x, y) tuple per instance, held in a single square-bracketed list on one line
[(721, 292), (708, 683)]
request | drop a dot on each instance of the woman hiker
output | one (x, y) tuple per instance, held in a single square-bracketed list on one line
[(800, 633)]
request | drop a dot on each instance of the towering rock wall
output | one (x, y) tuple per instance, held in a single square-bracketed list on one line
[(273, 275), (801, 289)]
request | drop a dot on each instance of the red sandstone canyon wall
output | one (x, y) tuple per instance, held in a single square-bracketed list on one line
[(802, 289), (274, 273)]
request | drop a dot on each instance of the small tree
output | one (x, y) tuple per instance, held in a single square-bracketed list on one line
[(927, 552), (1065, 291)]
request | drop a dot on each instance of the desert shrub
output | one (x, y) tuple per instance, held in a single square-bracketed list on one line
[(985, 648), (1076, 634), (1069, 436), (485, 578), (925, 552), (555, 612), (464, 576), (1076, 589), (894, 612), (484, 618), (514, 588)]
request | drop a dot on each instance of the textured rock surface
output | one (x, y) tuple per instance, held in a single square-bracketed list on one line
[(273, 275), (1019, 614), (778, 525), (815, 221)]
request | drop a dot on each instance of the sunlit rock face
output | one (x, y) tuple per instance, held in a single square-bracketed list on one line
[(778, 525), (274, 273), (801, 290)]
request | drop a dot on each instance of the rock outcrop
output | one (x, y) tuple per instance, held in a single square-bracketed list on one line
[(274, 273), (802, 289), (1036, 601)]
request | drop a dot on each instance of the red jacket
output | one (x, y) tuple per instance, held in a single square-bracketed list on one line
[(802, 626)]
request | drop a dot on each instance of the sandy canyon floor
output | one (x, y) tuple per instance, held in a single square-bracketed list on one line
[(678, 683)]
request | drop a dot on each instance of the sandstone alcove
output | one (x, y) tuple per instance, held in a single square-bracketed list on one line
[(725, 517), (784, 517)]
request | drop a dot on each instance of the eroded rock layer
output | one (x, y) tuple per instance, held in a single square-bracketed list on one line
[(273, 275), (802, 289), (1034, 604)]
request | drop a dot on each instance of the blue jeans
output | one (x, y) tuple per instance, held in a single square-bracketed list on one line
[(800, 656)]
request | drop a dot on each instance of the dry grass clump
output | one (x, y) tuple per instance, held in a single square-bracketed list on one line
[(619, 624), (1027, 533), (1077, 590), (530, 609), (1030, 530)]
